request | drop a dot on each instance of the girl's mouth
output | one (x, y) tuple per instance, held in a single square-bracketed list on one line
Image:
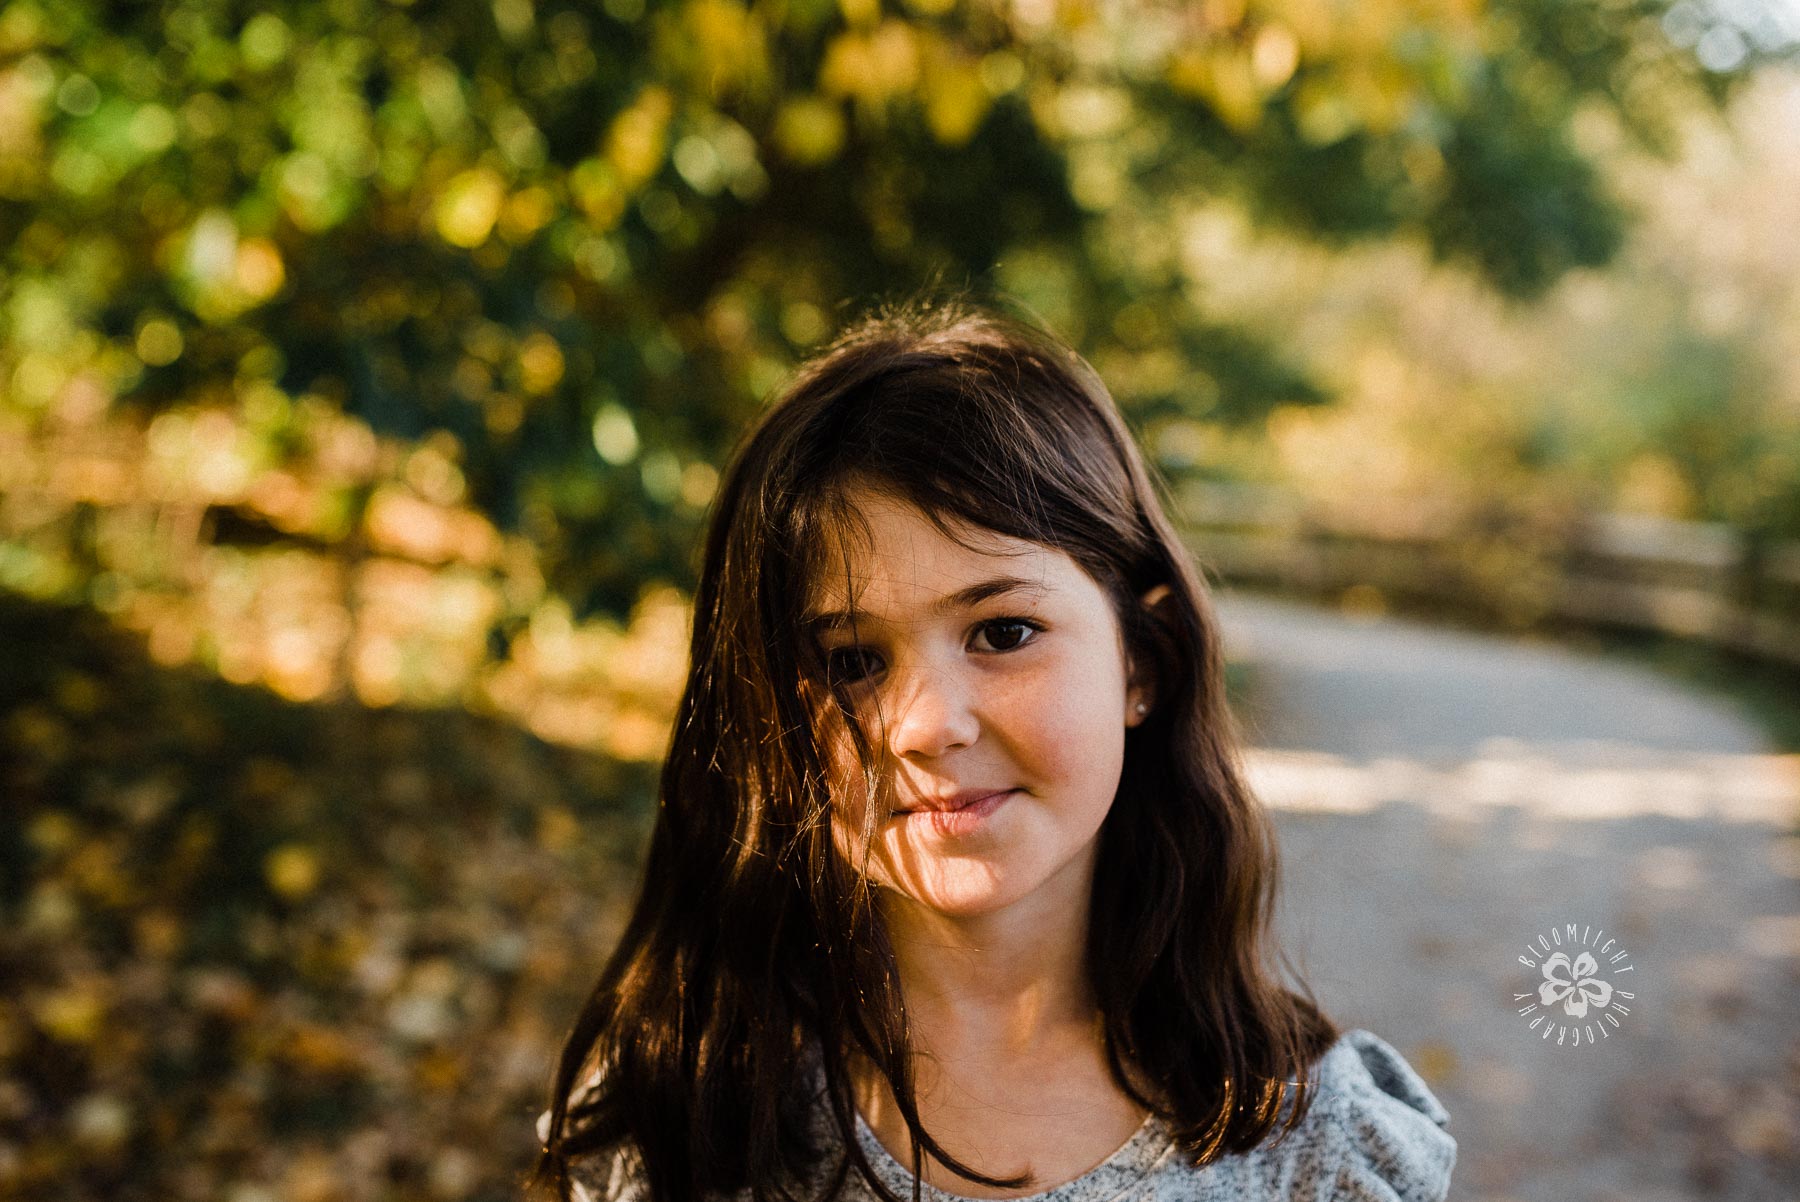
[(963, 821)]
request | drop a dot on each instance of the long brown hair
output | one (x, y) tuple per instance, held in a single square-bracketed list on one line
[(753, 957)]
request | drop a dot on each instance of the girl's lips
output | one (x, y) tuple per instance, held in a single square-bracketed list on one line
[(957, 822)]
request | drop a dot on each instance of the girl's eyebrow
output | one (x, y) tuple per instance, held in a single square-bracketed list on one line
[(962, 598)]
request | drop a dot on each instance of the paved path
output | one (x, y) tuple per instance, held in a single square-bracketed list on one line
[(1444, 799)]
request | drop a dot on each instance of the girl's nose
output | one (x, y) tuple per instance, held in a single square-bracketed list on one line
[(930, 713)]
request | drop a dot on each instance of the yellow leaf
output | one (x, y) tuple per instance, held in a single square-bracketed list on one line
[(1323, 114), (1313, 23), (557, 829), (1436, 1062), (860, 12), (1382, 95), (1234, 94), (638, 138), (158, 933), (52, 831), (598, 192), (873, 66), (1224, 14), (159, 342), (540, 363), (259, 270), (526, 213), (95, 868), (292, 870), (956, 99), (895, 53), (1273, 56), (321, 1049), (468, 207), (72, 1014), (728, 38), (810, 130), (846, 65)]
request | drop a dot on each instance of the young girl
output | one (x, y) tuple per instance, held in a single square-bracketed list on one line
[(955, 889)]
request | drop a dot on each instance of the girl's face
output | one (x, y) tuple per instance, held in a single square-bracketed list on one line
[(1022, 691)]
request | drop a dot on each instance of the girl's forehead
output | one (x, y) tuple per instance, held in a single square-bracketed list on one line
[(896, 550)]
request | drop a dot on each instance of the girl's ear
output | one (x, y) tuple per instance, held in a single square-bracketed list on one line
[(1140, 692)]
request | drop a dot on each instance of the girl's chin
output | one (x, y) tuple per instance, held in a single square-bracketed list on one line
[(946, 901)]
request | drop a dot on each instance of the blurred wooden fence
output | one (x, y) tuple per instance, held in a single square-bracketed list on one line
[(1698, 580)]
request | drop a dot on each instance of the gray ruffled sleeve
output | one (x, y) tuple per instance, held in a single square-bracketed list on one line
[(1387, 1131)]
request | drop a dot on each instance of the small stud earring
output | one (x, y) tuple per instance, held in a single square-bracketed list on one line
[(1142, 708)]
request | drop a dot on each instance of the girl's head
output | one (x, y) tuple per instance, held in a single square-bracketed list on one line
[(980, 584), (931, 452), (854, 658)]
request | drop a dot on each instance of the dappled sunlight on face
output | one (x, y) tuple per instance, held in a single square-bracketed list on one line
[(1023, 689)]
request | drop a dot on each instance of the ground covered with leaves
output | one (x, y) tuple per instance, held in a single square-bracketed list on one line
[(260, 950)]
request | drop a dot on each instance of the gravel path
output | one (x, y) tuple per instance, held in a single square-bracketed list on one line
[(1446, 799)]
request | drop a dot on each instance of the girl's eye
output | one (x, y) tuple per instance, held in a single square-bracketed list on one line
[(845, 665), (848, 665), (1019, 625)]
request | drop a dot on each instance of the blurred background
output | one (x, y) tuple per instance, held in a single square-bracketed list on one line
[(366, 369)]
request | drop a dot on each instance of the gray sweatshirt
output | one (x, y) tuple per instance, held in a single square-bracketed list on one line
[(1374, 1133)]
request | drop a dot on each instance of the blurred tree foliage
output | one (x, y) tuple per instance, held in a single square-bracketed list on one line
[(571, 246)]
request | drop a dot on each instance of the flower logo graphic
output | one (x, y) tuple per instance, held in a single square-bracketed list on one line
[(1576, 985), (1569, 959)]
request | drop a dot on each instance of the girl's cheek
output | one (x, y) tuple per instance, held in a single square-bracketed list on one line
[(849, 791), (1071, 740), (1058, 721), (847, 811), (846, 840), (843, 840)]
